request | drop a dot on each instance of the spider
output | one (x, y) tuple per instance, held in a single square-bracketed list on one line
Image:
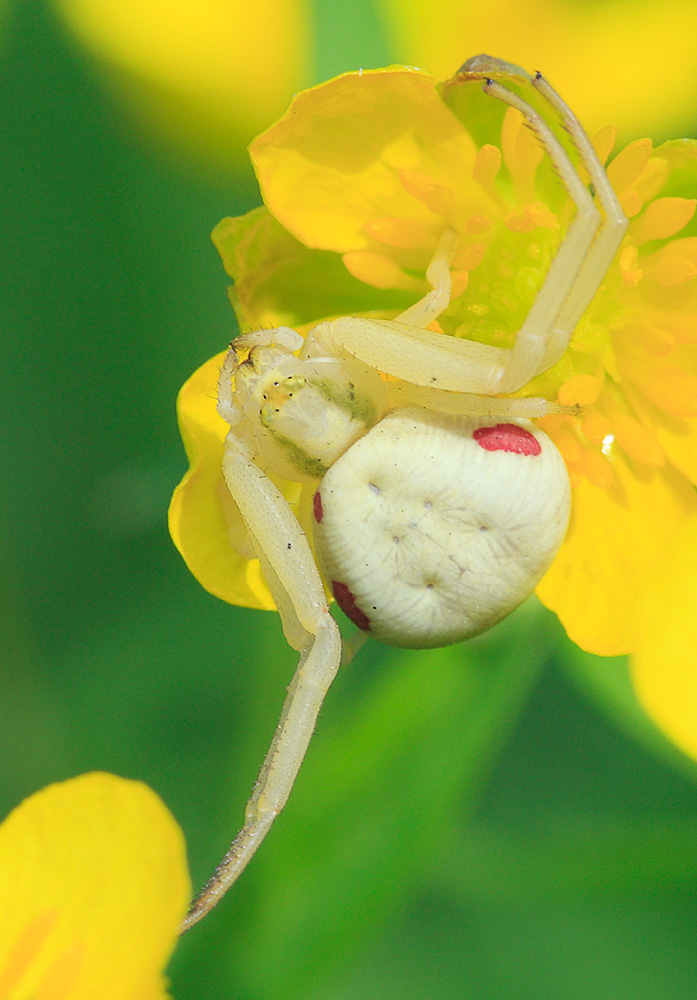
[(439, 505)]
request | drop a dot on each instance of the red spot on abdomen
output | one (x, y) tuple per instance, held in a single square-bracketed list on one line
[(347, 603), (317, 507), (507, 437)]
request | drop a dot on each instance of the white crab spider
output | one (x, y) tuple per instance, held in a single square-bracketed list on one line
[(438, 507)]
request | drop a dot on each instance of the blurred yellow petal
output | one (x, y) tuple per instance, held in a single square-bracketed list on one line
[(206, 74), (604, 58), (204, 522), (676, 435), (93, 888), (615, 536), (664, 667), (364, 141)]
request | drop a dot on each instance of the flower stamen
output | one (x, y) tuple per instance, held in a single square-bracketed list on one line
[(438, 198), (629, 164), (379, 271), (402, 234), (663, 218)]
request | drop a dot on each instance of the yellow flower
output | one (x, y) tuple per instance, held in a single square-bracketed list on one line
[(203, 74), (93, 888), (359, 179), (601, 56)]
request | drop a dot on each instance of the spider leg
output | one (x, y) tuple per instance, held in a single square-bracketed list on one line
[(403, 347), (537, 338), (613, 226), (407, 352), (401, 394), (585, 252), (295, 583), (227, 406)]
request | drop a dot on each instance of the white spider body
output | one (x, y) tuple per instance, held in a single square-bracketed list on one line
[(439, 507), (431, 528)]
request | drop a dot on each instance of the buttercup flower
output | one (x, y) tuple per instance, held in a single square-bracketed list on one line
[(601, 57), (203, 74), (359, 180), (93, 888)]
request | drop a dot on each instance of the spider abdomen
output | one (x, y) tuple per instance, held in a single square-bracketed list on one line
[(431, 528)]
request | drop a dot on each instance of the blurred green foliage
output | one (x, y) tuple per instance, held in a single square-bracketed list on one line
[(467, 823)]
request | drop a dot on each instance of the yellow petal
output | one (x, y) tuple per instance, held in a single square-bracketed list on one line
[(670, 270), (637, 440), (339, 157), (204, 523), (663, 667), (93, 888), (631, 203), (615, 535), (400, 233), (595, 426), (486, 167), (677, 436), (671, 387)]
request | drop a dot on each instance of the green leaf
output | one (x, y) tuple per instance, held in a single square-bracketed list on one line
[(377, 801), (620, 858)]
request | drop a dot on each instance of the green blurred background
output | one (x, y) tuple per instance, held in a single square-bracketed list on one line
[(494, 820)]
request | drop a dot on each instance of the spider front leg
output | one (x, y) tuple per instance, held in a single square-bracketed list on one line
[(295, 583), (586, 251)]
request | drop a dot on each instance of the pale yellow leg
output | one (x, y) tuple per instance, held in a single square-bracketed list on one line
[(435, 302), (589, 246), (612, 229), (296, 586), (527, 356)]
